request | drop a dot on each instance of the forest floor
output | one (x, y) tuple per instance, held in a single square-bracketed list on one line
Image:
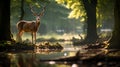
[(94, 55)]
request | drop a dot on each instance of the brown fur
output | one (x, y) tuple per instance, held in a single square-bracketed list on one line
[(27, 26)]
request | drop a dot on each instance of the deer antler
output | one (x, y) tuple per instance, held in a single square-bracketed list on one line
[(31, 7), (41, 13)]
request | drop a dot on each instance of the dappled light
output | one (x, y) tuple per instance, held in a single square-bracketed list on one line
[(77, 11), (59, 33)]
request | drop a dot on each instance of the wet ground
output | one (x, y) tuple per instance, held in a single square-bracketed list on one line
[(70, 56)]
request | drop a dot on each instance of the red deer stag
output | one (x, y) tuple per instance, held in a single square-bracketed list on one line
[(29, 26)]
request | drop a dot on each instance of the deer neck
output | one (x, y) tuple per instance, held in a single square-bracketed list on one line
[(37, 23)]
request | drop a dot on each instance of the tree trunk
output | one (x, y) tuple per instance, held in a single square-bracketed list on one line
[(90, 7), (115, 40), (22, 10), (5, 33)]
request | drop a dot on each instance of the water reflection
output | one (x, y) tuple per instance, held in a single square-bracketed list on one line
[(43, 58), (30, 60), (33, 58)]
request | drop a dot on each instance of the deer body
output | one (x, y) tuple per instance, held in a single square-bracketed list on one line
[(29, 26)]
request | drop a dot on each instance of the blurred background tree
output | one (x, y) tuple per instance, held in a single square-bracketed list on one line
[(54, 20), (96, 14), (71, 16), (115, 40)]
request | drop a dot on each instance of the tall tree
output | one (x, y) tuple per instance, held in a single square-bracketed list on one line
[(22, 10), (90, 8), (79, 9), (5, 33), (115, 40)]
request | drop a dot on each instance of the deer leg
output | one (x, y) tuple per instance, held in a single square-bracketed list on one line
[(35, 37), (32, 37), (18, 37)]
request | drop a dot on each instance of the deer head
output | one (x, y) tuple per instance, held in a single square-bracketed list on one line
[(37, 15)]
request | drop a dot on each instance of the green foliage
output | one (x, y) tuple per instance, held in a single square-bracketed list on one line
[(77, 10), (55, 16), (105, 13), (14, 10), (104, 9)]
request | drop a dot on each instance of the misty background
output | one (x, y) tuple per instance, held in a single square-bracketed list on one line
[(56, 21)]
